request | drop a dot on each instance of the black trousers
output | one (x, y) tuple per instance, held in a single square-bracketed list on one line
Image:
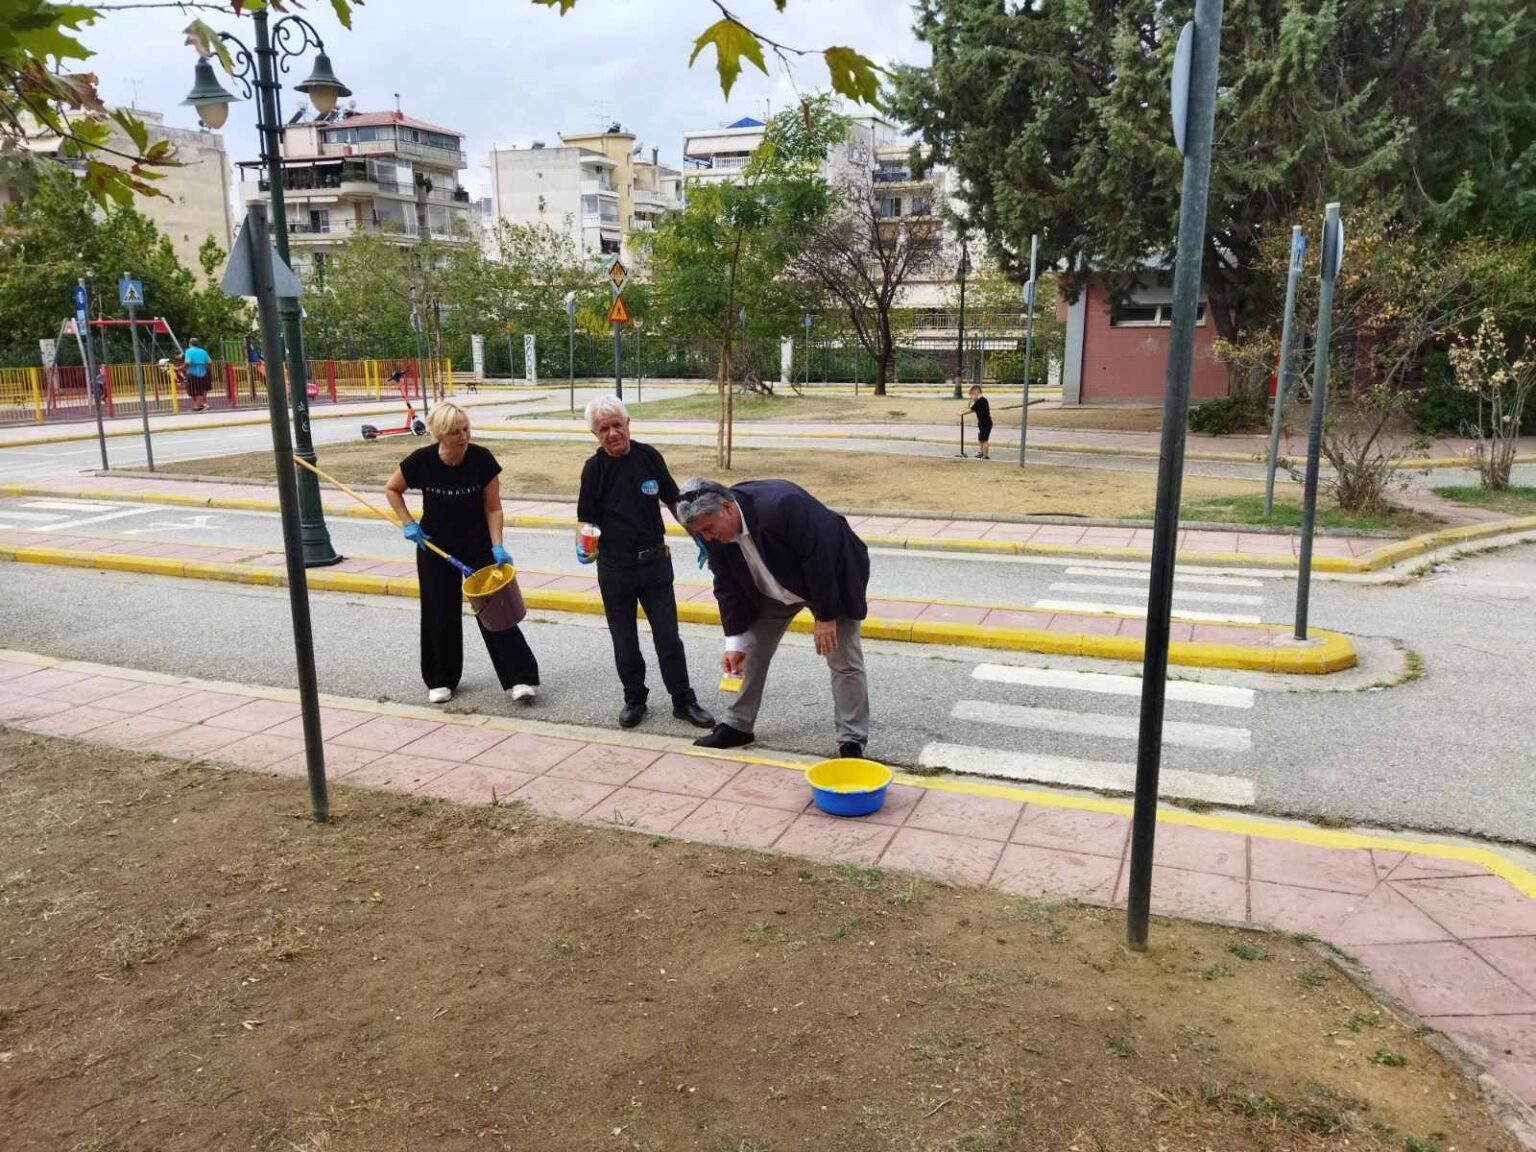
[(647, 583), (442, 627)]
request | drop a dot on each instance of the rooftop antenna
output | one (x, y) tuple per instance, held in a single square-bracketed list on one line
[(397, 105), (135, 102)]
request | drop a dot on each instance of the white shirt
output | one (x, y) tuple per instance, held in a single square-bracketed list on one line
[(764, 580)]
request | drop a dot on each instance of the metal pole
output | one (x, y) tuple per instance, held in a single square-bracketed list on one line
[(1029, 342), (256, 237), (960, 343), (1196, 133), (618, 352), (82, 318), (570, 357), (316, 538), (639, 364), (138, 375), (1282, 373), (511, 359), (1329, 255)]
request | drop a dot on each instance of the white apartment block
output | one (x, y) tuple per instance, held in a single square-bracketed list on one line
[(349, 172), (595, 187)]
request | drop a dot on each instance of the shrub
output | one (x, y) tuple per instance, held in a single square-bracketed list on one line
[(1228, 415)]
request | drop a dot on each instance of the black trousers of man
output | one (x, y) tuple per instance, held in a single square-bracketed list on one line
[(442, 628), (624, 584)]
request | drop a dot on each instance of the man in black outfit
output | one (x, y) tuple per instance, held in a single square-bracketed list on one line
[(623, 487)]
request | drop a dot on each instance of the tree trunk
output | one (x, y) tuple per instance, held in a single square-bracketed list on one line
[(885, 355), (722, 387)]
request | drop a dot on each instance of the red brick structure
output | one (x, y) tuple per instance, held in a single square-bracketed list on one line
[(1119, 355)]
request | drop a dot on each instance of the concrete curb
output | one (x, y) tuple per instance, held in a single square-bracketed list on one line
[(1327, 652)]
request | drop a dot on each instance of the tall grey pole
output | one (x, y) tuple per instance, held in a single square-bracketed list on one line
[(1282, 372), (1029, 341), (570, 345), (316, 538), (257, 238), (965, 266), (1330, 255), (1194, 110), (618, 353), (83, 336), (138, 376)]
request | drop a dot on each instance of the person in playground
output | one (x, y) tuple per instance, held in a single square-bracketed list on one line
[(258, 366), (199, 366), (983, 410), (461, 512), (623, 486)]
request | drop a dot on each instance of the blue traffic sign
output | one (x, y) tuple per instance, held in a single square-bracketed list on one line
[(130, 293), (80, 298)]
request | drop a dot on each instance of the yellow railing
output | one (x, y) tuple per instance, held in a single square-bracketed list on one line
[(22, 389)]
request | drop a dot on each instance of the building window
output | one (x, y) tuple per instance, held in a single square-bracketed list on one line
[(589, 205), (1134, 315), (888, 207), (609, 247)]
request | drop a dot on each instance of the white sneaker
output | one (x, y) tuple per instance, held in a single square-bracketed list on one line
[(523, 692), (440, 695)]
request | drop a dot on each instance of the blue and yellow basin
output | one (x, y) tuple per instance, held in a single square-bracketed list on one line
[(848, 787)]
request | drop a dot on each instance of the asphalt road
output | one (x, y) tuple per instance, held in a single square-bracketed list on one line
[(1449, 751)]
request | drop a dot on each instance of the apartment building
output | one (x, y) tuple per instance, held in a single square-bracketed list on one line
[(350, 172), (596, 187)]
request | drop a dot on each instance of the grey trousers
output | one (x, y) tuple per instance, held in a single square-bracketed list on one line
[(850, 689)]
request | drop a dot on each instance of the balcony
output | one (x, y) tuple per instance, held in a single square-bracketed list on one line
[(598, 188), (407, 149)]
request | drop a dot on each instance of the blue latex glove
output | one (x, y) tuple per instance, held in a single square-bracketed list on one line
[(500, 555), (583, 558), (415, 535), (703, 552)]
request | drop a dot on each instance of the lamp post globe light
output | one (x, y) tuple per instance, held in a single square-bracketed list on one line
[(962, 270), (276, 46)]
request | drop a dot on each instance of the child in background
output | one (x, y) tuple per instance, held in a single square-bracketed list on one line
[(983, 410)]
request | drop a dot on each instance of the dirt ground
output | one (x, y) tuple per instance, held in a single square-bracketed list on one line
[(843, 479), (889, 409), (189, 963)]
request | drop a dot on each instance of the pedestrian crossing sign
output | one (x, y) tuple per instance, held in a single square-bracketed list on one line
[(618, 314), (130, 293)]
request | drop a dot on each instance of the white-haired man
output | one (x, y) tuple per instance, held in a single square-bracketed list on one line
[(623, 487)]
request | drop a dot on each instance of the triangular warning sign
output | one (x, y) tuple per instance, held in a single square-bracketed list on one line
[(133, 295), (618, 314)]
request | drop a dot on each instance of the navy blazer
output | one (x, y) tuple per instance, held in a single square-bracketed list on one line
[(807, 547)]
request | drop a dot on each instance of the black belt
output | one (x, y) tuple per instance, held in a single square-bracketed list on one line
[(654, 552)]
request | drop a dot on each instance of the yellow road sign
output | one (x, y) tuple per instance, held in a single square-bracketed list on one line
[(617, 274), (618, 314)]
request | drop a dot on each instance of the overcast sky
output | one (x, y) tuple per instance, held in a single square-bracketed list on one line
[(508, 72)]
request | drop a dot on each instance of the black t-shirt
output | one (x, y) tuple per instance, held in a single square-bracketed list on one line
[(623, 496), (453, 496), (983, 412)]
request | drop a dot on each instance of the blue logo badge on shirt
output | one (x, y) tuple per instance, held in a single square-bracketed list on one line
[(650, 488)]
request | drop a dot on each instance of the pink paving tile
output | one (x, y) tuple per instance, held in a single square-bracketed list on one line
[(458, 742), (76, 721), (1494, 1037), (1083, 625), (339, 760), (400, 773), (1415, 867), (900, 799), (14, 708), (1385, 917), (1009, 618), (1337, 870), (1444, 979), (605, 764), (90, 690), (527, 580), (194, 741), (1108, 537), (1091, 833), (639, 808), (562, 799), (571, 584), (135, 731), (835, 840), (333, 722), (1200, 541), (475, 784), (525, 752), (1028, 871), (259, 751), (12, 670), (1473, 906), (957, 859), (201, 706), (1201, 895), (1265, 546), (385, 733), (1384, 861), (739, 825), (1514, 956), (687, 775), (769, 787), (1519, 1077), (259, 715), (983, 817), (953, 614), (144, 697), (1309, 910), (1069, 536), (1201, 850), (1226, 634), (897, 609)]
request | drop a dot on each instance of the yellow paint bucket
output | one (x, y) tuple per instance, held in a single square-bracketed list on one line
[(495, 598)]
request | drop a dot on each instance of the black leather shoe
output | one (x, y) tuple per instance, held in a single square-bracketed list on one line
[(632, 715), (850, 751), (692, 713), (724, 736)]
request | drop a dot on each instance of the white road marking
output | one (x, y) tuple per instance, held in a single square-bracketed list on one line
[(1188, 691), (71, 505), (1132, 610), (68, 524), (1228, 791), (1143, 576), (40, 517), (1214, 737), (1179, 594), (171, 526)]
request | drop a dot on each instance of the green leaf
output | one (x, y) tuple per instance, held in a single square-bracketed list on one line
[(854, 75), (343, 10), (565, 5), (132, 125), (44, 40), (732, 41)]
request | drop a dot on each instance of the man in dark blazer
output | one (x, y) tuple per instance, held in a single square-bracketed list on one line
[(775, 549)]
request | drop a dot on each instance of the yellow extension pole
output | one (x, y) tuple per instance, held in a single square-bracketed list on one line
[(368, 504)]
